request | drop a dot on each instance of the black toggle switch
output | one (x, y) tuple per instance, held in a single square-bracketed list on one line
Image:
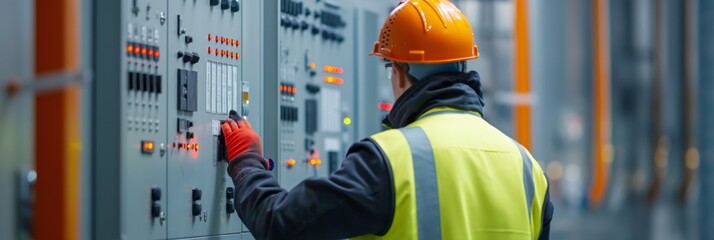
[(313, 88), (196, 194), (304, 25), (188, 39), (196, 209), (315, 30), (187, 56), (230, 207), (284, 21), (155, 210), (158, 83), (229, 193), (155, 194), (195, 58), (235, 6), (189, 135), (225, 4)]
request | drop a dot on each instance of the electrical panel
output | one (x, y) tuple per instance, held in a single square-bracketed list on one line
[(167, 74), (316, 88)]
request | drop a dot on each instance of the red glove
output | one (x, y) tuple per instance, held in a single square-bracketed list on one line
[(240, 138)]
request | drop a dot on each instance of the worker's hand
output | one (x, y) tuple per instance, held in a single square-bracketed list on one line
[(240, 138)]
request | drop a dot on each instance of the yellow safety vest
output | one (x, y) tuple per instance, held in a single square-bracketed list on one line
[(457, 177)]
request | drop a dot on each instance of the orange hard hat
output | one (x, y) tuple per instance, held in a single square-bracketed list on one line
[(426, 31)]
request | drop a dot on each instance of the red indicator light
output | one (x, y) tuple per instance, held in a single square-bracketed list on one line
[(293, 90), (147, 146), (216, 38), (196, 147), (130, 48), (333, 80), (150, 52), (237, 43), (137, 50), (174, 145), (291, 162), (233, 42), (237, 55), (217, 52), (333, 69), (210, 50), (384, 106), (143, 51), (156, 53), (223, 40), (210, 37)]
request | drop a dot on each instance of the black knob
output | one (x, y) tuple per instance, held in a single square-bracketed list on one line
[(214, 2), (225, 4), (196, 194), (196, 209), (229, 194), (230, 207), (155, 194), (187, 56), (284, 21), (325, 34), (315, 29), (179, 54), (155, 210), (235, 6), (295, 24), (188, 39), (195, 58), (304, 25)]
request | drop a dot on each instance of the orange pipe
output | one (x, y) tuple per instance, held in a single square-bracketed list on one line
[(57, 150), (521, 84), (601, 132)]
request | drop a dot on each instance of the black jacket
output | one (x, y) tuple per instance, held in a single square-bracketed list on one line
[(358, 198)]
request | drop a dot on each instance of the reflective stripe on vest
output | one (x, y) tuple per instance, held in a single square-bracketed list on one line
[(527, 177), (427, 197)]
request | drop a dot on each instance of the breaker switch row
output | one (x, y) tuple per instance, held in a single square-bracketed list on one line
[(188, 57), (291, 7), (288, 113), (144, 82)]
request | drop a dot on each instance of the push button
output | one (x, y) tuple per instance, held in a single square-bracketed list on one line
[(196, 209), (155, 194), (196, 194)]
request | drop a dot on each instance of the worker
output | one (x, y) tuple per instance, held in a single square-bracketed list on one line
[(440, 172)]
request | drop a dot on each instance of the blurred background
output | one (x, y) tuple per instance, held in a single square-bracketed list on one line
[(611, 97)]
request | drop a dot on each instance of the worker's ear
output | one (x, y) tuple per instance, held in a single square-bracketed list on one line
[(400, 72)]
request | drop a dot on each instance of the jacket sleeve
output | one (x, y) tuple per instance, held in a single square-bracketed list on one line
[(357, 199), (546, 217)]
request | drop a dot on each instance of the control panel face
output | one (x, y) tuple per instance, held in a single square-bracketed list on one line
[(316, 88), (205, 68), (183, 66), (182, 74)]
